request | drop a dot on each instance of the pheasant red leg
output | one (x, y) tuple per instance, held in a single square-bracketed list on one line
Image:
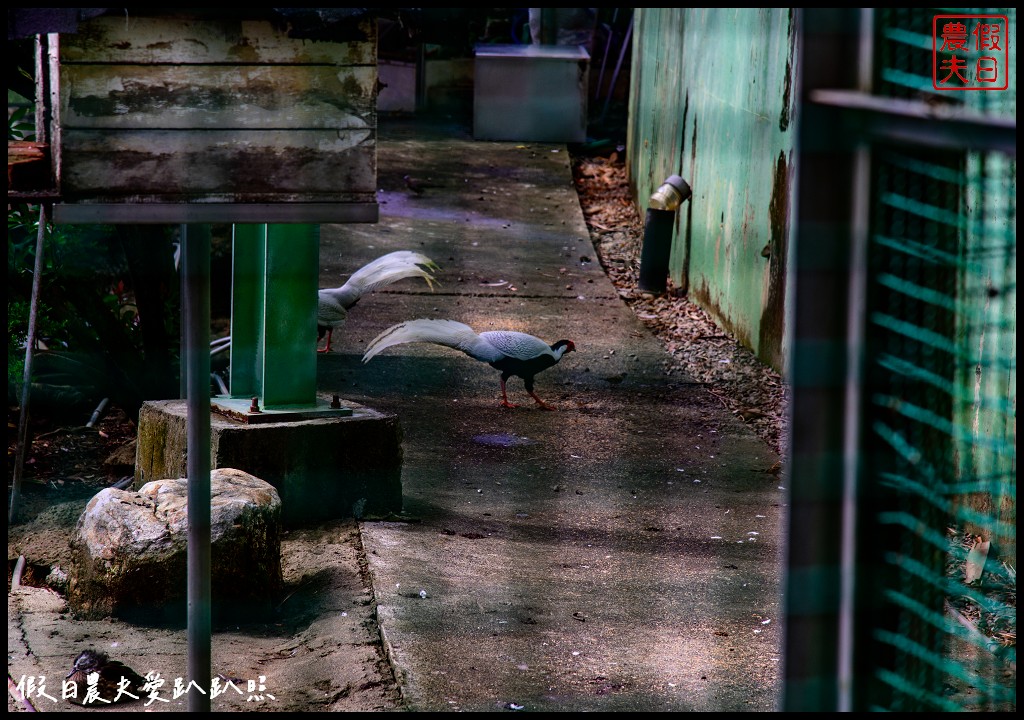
[(541, 402), (327, 347), (504, 396)]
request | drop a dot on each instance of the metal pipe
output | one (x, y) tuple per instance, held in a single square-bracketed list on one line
[(196, 251), (26, 388), (610, 35), (657, 243), (98, 412), (19, 568), (549, 26), (618, 68)]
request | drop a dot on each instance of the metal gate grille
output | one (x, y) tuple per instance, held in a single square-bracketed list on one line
[(926, 615), (939, 423)]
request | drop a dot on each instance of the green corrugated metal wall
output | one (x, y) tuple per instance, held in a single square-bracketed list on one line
[(712, 101)]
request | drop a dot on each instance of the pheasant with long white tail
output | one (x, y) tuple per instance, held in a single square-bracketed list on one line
[(513, 353), (333, 304)]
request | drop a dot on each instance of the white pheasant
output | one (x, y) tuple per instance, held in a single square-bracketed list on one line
[(511, 352), (333, 304)]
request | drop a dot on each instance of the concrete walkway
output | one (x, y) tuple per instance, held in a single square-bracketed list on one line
[(620, 554)]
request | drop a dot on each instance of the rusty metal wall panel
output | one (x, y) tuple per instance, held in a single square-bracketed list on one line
[(658, 108), (713, 101), (173, 110)]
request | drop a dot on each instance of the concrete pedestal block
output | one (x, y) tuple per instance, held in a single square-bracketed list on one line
[(322, 468)]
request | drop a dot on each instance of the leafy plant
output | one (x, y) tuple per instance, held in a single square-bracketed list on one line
[(107, 322), (21, 124), (107, 316)]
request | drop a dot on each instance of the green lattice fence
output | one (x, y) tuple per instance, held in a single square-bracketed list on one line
[(925, 611), (939, 421)]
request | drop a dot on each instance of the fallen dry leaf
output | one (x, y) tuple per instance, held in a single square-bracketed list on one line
[(975, 564)]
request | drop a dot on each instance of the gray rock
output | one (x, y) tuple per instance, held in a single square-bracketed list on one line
[(57, 579), (129, 551), (123, 456)]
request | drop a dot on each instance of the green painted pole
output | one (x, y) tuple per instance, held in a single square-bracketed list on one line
[(290, 300), (275, 278), (248, 278)]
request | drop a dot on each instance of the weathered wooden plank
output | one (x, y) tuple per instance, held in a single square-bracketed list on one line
[(236, 166), (28, 166), (146, 40), (165, 213), (218, 96)]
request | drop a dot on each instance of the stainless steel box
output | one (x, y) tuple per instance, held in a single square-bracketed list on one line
[(530, 93)]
